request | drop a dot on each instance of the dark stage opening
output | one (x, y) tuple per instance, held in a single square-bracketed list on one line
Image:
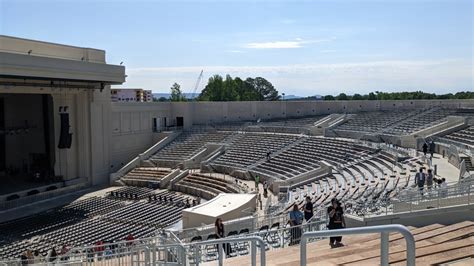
[(26, 141)]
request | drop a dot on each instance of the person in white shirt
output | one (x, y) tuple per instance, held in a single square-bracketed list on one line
[(444, 187)]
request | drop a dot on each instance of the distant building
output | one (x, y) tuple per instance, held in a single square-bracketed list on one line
[(131, 95)]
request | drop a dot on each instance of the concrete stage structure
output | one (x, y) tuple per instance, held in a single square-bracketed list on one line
[(225, 206), (49, 91)]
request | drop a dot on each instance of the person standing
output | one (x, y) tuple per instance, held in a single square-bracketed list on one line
[(429, 179), (308, 209), (443, 187), (220, 232), (265, 189), (257, 181), (432, 148), (296, 219), (420, 180), (336, 221), (425, 148)]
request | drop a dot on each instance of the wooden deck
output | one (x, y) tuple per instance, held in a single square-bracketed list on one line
[(435, 244)]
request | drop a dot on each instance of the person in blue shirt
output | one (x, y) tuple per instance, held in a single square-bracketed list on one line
[(296, 219)]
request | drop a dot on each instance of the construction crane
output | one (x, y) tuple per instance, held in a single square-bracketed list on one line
[(197, 84)]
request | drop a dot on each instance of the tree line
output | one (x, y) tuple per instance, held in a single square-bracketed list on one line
[(229, 89), (260, 89), (416, 95)]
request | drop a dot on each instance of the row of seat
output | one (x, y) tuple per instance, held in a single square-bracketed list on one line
[(399, 122), (205, 186), (188, 144), (84, 222), (307, 155), (247, 149), (464, 136), (146, 174)]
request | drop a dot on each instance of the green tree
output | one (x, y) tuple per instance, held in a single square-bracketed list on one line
[(372, 96), (176, 94), (265, 89), (342, 97), (329, 98), (229, 89), (357, 97), (213, 90)]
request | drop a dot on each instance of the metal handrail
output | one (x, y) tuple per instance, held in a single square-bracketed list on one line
[(384, 230), (253, 248)]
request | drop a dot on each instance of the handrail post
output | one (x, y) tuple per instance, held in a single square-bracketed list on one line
[(383, 229), (384, 249), (219, 253), (303, 250), (147, 255), (253, 252)]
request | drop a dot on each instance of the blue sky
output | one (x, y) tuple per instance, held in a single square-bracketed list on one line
[(302, 47)]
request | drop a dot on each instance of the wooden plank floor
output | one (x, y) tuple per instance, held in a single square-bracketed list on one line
[(435, 244)]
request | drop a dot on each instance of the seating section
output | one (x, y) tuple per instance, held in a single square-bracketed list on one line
[(146, 174), (247, 149), (464, 136), (424, 120), (307, 154), (365, 182), (399, 122), (188, 144), (291, 122), (160, 213), (376, 121), (205, 186), (435, 244), (130, 193), (84, 222)]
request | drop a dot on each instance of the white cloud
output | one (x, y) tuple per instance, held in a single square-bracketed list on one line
[(297, 43), (437, 76), (274, 45)]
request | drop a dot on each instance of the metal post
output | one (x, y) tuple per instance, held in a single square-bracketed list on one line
[(219, 253), (196, 257), (384, 248), (303, 251), (253, 246), (410, 241)]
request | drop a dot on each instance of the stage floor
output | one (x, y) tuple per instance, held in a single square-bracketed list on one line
[(11, 184)]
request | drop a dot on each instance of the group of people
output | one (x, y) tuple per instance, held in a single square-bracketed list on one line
[(35, 257), (423, 179), (336, 220), (100, 249), (429, 147)]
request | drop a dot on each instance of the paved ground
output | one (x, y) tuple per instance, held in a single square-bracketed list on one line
[(445, 169)]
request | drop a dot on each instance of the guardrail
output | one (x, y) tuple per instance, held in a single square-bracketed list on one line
[(384, 230)]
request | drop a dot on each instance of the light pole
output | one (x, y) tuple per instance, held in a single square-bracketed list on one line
[(283, 94)]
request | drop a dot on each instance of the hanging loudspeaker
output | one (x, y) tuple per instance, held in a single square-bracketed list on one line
[(65, 138)]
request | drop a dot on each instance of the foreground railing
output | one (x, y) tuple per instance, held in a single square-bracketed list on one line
[(384, 230), (166, 251)]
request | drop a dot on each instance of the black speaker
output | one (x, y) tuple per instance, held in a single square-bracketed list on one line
[(65, 138)]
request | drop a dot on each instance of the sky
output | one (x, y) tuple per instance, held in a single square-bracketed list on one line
[(303, 47)]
